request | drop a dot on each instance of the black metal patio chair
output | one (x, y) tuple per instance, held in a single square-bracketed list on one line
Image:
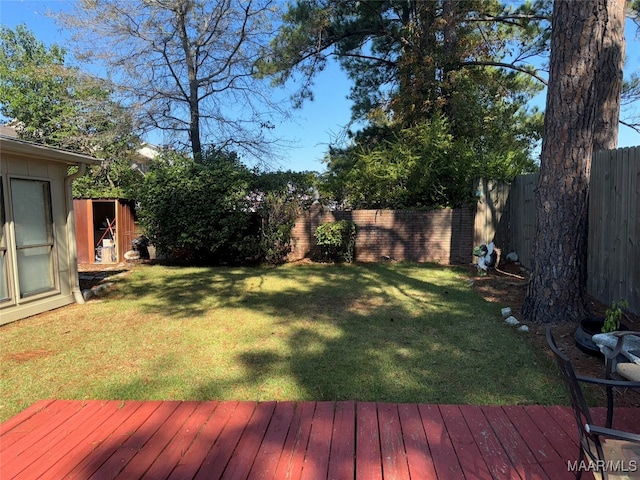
[(608, 453), (618, 366), (617, 361)]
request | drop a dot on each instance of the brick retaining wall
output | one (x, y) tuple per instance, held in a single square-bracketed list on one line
[(442, 236)]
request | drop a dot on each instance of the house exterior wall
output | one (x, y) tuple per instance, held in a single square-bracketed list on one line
[(39, 168)]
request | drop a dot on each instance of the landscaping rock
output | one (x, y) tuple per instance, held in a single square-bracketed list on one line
[(96, 291), (511, 321), (102, 288), (506, 312), (87, 294), (523, 328)]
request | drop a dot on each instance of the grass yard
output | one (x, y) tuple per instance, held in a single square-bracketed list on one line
[(374, 332)]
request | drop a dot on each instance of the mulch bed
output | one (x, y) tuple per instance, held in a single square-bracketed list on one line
[(506, 289)]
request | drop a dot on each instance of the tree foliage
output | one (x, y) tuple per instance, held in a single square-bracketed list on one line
[(414, 64), (112, 179), (630, 98), (422, 167), (58, 105), (401, 54), (187, 65)]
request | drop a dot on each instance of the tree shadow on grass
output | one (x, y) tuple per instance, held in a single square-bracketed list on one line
[(362, 332), (189, 292)]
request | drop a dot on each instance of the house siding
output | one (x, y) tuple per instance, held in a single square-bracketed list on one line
[(24, 160)]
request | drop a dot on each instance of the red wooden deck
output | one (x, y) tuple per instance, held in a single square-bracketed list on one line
[(58, 439)]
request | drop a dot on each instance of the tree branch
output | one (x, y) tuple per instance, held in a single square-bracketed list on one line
[(487, 63)]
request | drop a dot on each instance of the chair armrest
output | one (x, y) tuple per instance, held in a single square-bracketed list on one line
[(610, 432), (618, 349), (608, 383)]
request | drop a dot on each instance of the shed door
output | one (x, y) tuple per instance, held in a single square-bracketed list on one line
[(105, 231)]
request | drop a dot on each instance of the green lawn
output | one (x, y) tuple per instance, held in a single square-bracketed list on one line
[(385, 332)]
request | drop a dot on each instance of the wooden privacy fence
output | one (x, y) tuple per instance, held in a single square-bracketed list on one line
[(614, 227), (506, 215), (443, 236)]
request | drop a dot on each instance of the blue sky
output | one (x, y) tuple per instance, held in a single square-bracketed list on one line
[(316, 125)]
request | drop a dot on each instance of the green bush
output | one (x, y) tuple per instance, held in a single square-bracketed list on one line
[(278, 197), (218, 211), (278, 215), (199, 212), (337, 240)]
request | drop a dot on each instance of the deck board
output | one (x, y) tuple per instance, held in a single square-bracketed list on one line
[(113, 441), (52, 447), (317, 465), (342, 455), (368, 461), (24, 415), (394, 458), (221, 440), (565, 444), (541, 448), (249, 443), (416, 445), (69, 442), (154, 448), (467, 450), (295, 446), (522, 459), (291, 440), (181, 442), (489, 444), (16, 440), (136, 442), (268, 455), (443, 453), (87, 444)]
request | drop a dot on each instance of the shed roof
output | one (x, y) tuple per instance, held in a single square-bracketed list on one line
[(45, 152)]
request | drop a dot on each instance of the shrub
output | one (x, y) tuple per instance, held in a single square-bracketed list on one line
[(278, 197), (278, 215), (199, 212), (613, 315), (337, 240)]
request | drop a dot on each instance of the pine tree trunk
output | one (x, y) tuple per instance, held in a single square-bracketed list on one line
[(609, 78), (575, 109)]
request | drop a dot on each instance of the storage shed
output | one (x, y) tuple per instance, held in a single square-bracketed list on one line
[(104, 229), (38, 260)]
